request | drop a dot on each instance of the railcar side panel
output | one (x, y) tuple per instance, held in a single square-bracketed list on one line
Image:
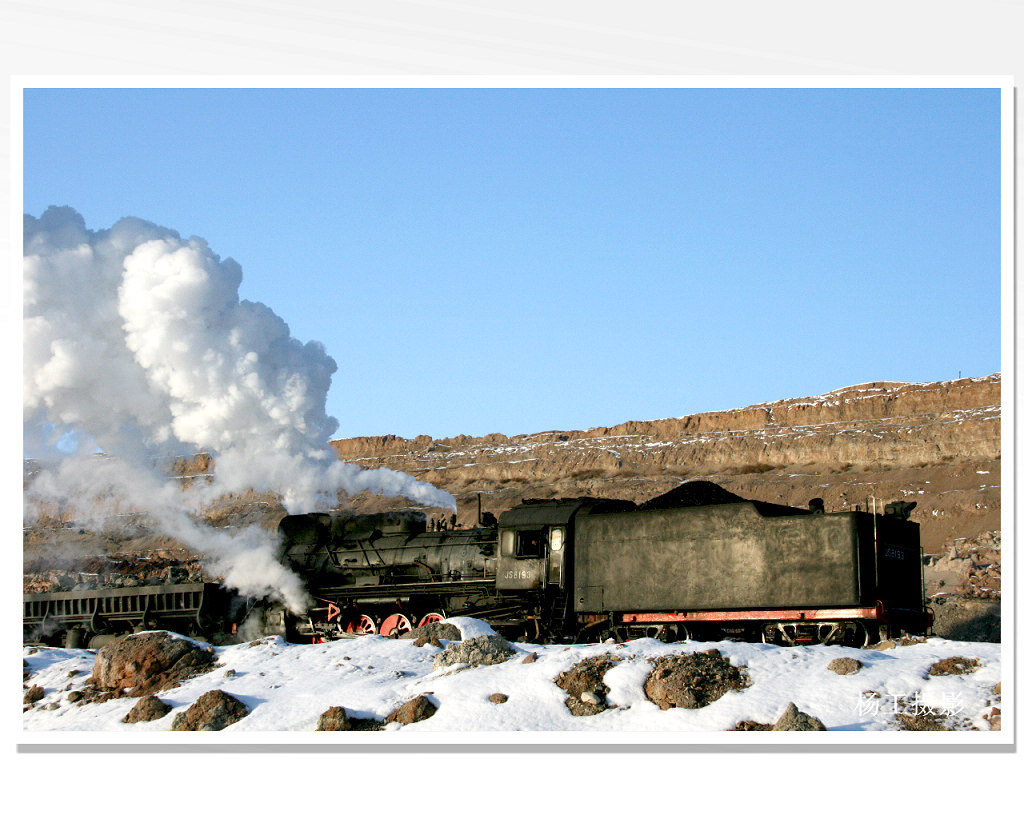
[(726, 556)]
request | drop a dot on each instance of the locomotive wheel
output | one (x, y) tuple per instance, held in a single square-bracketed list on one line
[(364, 624), (427, 619), (858, 637), (395, 624)]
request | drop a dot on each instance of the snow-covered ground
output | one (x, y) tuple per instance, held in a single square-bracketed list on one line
[(528, 753), (286, 687)]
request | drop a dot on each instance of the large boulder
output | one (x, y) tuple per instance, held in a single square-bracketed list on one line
[(415, 710), (584, 683), (147, 709), (34, 694), (692, 680), (334, 718), (967, 618), (140, 664), (845, 665), (432, 632), (793, 719), (953, 665), (213, 711), (487, 649)]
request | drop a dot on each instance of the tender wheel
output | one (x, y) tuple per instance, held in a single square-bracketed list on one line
[(363, 624), (395, 624), (857, 636), (427, 619)]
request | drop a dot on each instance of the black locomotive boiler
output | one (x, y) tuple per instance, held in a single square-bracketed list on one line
[(698, 562)]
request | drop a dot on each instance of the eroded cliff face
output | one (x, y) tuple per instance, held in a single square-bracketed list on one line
[(937, 444)]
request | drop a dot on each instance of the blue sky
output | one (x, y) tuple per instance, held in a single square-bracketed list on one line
[(519, 260)]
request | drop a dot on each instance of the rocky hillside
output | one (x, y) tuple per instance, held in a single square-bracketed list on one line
[(936, 444)]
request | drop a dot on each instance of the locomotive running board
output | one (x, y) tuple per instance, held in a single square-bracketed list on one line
[(765, 615), (391, 591)]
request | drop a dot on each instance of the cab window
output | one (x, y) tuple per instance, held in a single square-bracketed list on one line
[(531, 543)]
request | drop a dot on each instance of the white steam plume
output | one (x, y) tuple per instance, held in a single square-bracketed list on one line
[(136, 343)]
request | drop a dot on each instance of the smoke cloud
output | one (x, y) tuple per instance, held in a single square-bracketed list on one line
[(136, 344)]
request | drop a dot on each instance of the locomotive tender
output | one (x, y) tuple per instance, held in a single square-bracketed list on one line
[(697, 562)]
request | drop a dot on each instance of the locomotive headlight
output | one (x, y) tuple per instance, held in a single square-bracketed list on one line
[(556, 539)]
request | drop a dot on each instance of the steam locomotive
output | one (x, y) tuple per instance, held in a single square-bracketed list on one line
[(698, 562)]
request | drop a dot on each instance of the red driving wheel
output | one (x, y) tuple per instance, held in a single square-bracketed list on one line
[(396, 623), (362, 625)]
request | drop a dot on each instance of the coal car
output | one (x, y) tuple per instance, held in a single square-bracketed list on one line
[(729, 567)]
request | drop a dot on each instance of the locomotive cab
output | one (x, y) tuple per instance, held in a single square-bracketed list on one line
[(531, 558), (536, 542), (531, 546)]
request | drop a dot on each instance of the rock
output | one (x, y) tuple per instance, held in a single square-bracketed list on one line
[(334, 719), (584, 683), (498, 698), (793, 719), (845, 665), (908, 640), (912, 717), (34, 694), (175, 574), (750, 725), (953, 665), (416, 710), (531, 657), (423, 640), (579, 708), (147, 663), (487, 649), (146, 709), (434, 631), (213, 711), (692, 680), (75, 696), (969, 619)]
